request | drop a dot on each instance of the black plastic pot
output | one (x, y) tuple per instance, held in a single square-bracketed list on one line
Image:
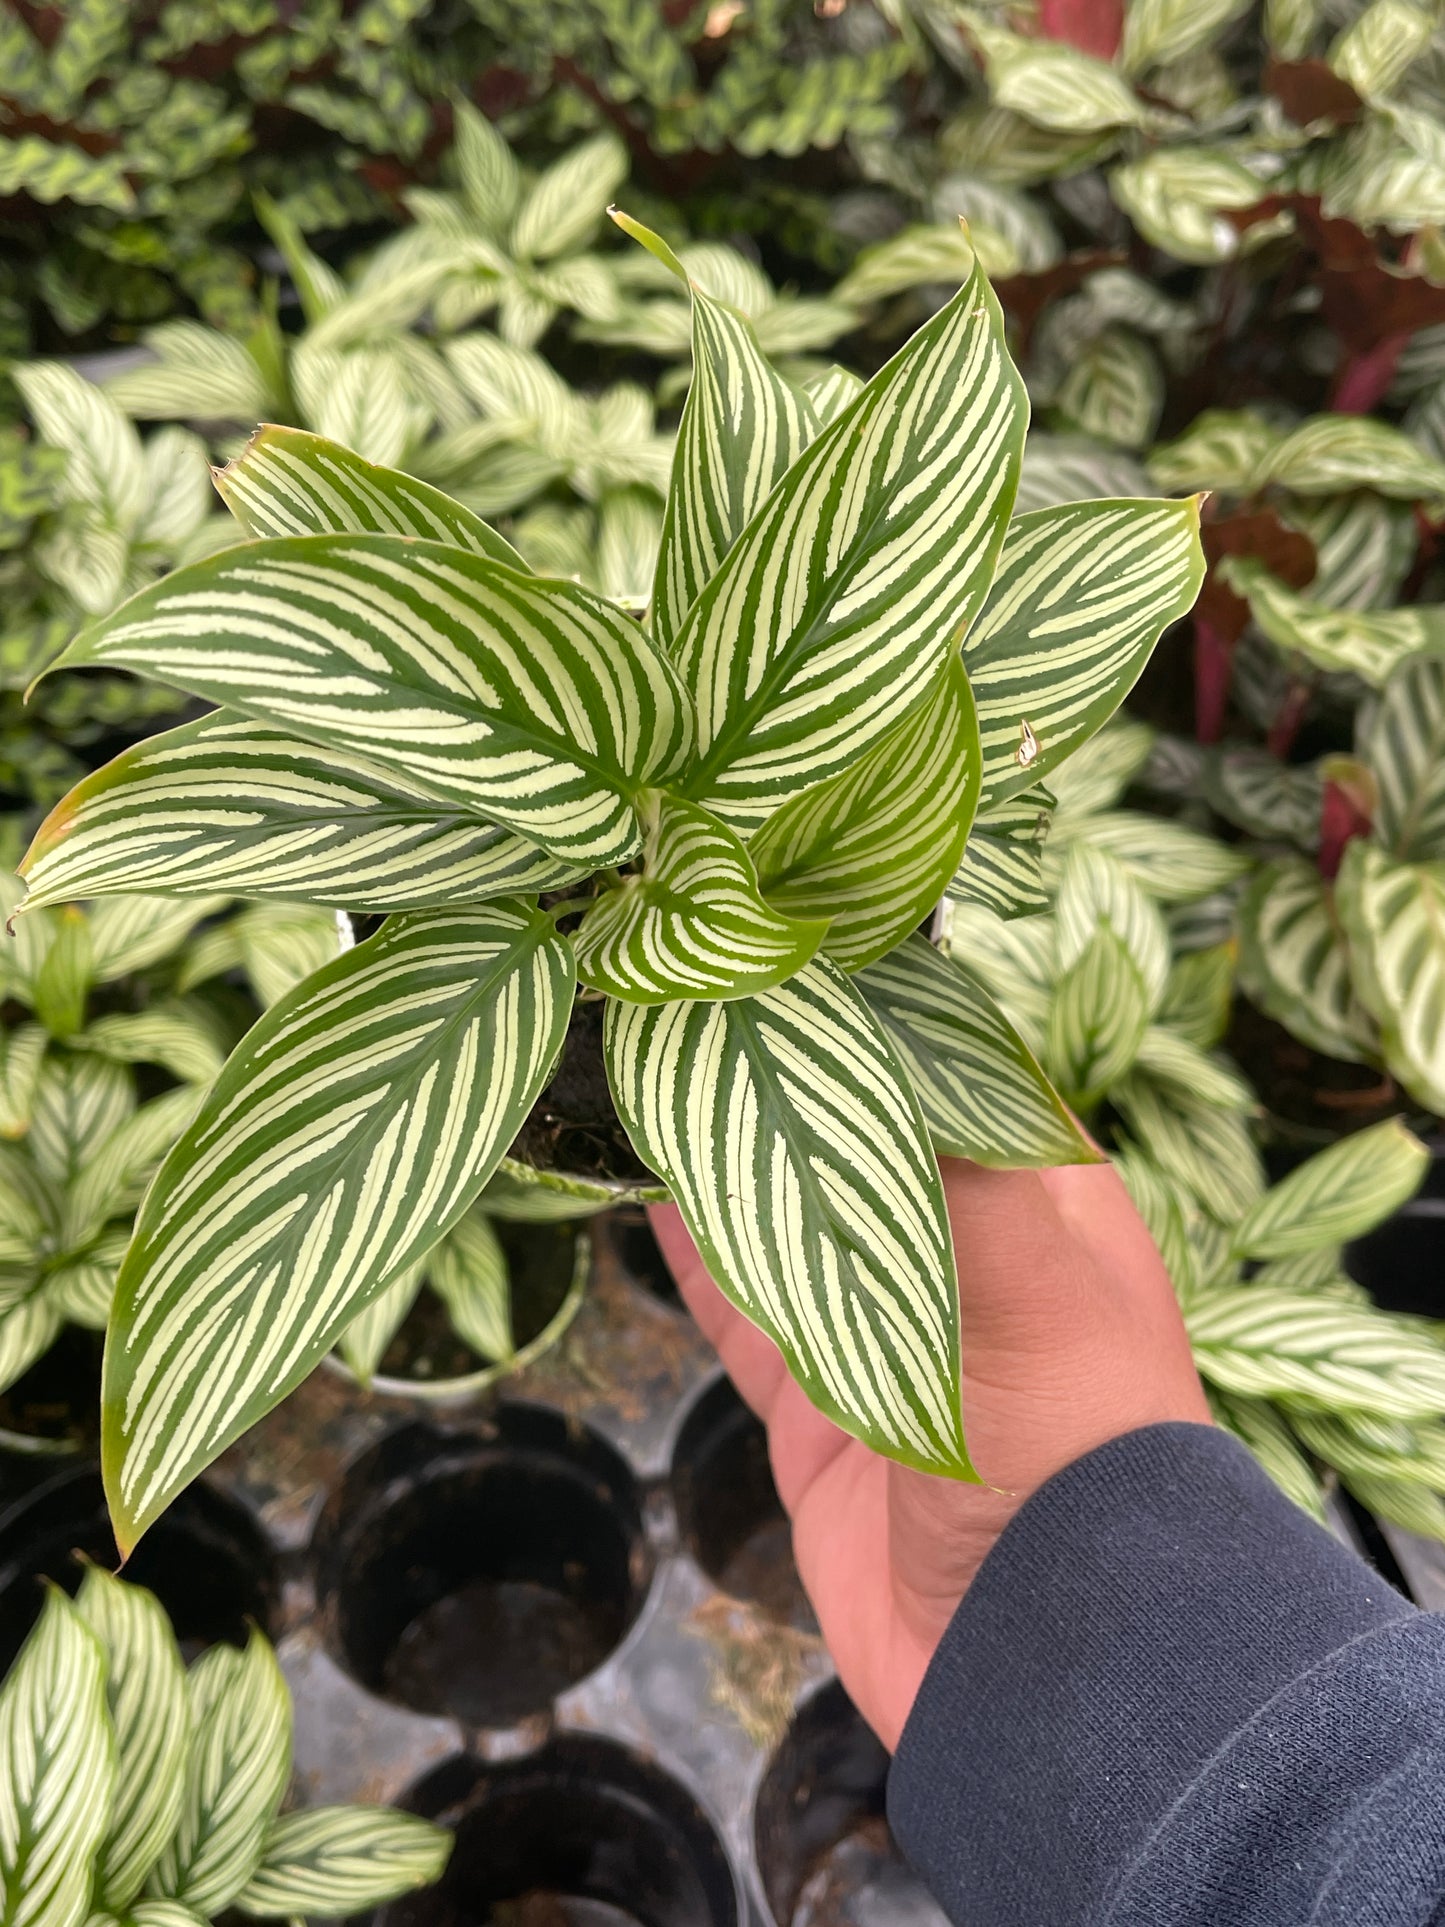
[(562, 1617)]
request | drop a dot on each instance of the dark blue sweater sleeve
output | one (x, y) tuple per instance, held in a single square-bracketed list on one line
[(1169, 1699)]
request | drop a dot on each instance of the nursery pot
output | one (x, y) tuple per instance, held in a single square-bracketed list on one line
[(462, 1388)]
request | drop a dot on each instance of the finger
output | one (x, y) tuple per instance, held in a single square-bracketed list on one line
[(753, 1361), (801, 1440)]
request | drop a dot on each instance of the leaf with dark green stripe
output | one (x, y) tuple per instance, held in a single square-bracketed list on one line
[(1315, 1352), (692, 922), (533, 703), (1256, 1423), (288, 482), (798, 1155), (337, 1860), (1339, 1194), (1394, 921), (1205, 1149), (236, 1773), (1294, 964), (1003, 861), (146, 1690), (468, 1271), (983, 1092), (1404, 745), (742, 428), (1082, 594), (350, 1130), (225, 804), (874, 847), (1099, 1016), (838, 605), (57, 1771)]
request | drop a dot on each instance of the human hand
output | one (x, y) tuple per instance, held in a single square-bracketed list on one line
[(1071, 1336)]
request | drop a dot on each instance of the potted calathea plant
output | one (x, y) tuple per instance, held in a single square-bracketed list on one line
[(717, 823), (138, 1791)]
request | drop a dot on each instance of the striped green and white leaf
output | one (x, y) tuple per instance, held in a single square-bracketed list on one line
[(225, 804), (1096, 891), (116, 1171), (534, 703), (130, 933), (1081, 596), (1016, 960), (693, 922), (237, 1768), (1332, 454), (334, 1861), (874, 848), (22, 1052), (1394, 920), (839, 604), (1099, 1016), (1099, 771), (1114, 389), (1198, 996), (1339, 1194), (1315, 1353), (79, 1101), (1294, 963), (983, 1093), (1049, 83), (1267, 798), (1204, 1148), (1369, 644), (27, 1331), (1187, 1072), (788, 1133), (63, 981), (57, 1771), (349, 1131), (150, 1716), (289, 482), (927, 255), (1403, 1502), (1226, 451), (1374, 1447), (1314, 1270), (742, 428), (1373, 52), (1165, 1207), (1157, 32), (468, 1271), (1257, 1424), (1365, 546), (172, 1036), (1003, 861), (277, 945), (363, 1344), (1178, 198), (1404, 744), (1173, 863)]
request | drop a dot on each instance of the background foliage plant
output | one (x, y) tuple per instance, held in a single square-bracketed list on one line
[(137, 1789), (799, 692)]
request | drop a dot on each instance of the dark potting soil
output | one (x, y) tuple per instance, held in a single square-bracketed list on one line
[(573, 1126), (459, 1656), (1320, 1097), (58, 1399)]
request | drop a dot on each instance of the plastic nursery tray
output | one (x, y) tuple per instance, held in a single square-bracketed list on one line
[(564, 1621)]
